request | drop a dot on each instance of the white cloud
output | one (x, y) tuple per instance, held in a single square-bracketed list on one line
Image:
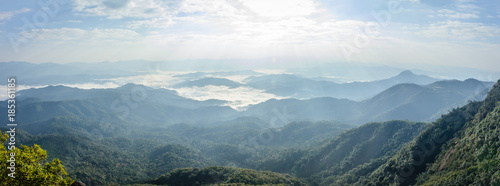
[(9, 14), (77, 34), (192, 29), (235, 78), (407, 53), (238, 98), (460, 30), (468, 7), (281, 8), (156, 79), (74, 21), (3, 88), (455, 15), (106, 85), (116, 9)]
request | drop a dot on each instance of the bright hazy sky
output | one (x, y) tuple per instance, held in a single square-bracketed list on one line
[(447, 32)]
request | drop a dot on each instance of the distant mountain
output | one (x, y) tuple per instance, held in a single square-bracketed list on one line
[(131, 103), (404, 101), (70, 73), (408, 76), (164, 132), (301, 87), (141, 103), (126, 93), (199, 75), (315, 109), (208, 81)]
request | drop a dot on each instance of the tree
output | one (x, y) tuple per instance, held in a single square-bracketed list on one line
[(31, 166)]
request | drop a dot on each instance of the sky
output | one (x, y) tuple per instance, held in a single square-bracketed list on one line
[(463, 33)]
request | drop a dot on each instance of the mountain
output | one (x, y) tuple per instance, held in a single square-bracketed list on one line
[(208, 81), (314, 109), (129, 103), (460, 148), (105, 152), (301, 87), (199, 75), (403, 101), (413, 102), (132, 103), (70, 73), (408, 76), (355, 150), (100, 147)]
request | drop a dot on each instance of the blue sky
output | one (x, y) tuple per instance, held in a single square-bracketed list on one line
[(450, 32)]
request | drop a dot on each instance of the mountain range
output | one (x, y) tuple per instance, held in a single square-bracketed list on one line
[(140, 103), (406, 130), (403, 101), (288, 85)]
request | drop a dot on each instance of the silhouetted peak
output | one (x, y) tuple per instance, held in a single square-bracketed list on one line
[(406, 73), (57, 88), (471, 80), (130, 86)]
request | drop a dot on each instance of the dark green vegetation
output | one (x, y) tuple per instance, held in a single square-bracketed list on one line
[(224, 175), (98, 153), (461, 148), (348, 155), (28, 166), (136, 135)]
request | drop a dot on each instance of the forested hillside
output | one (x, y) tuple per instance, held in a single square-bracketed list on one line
[(222, 176), (100, 146), (461, 148)]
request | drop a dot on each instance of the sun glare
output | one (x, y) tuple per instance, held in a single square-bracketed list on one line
[(281, 8)]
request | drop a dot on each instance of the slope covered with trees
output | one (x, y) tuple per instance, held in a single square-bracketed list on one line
[(164, 132), (461, 148), (347, 156), (224, 175)]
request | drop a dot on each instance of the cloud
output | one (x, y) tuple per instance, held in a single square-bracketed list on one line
[(3, 88), (74, 21), (455, 15), (77, 34), (468, 7), (237, 98), (115, 4), (106, 85), (223, 29), (9, 14), (156, 79), (281, 8), (457, 30), (117, 9)]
